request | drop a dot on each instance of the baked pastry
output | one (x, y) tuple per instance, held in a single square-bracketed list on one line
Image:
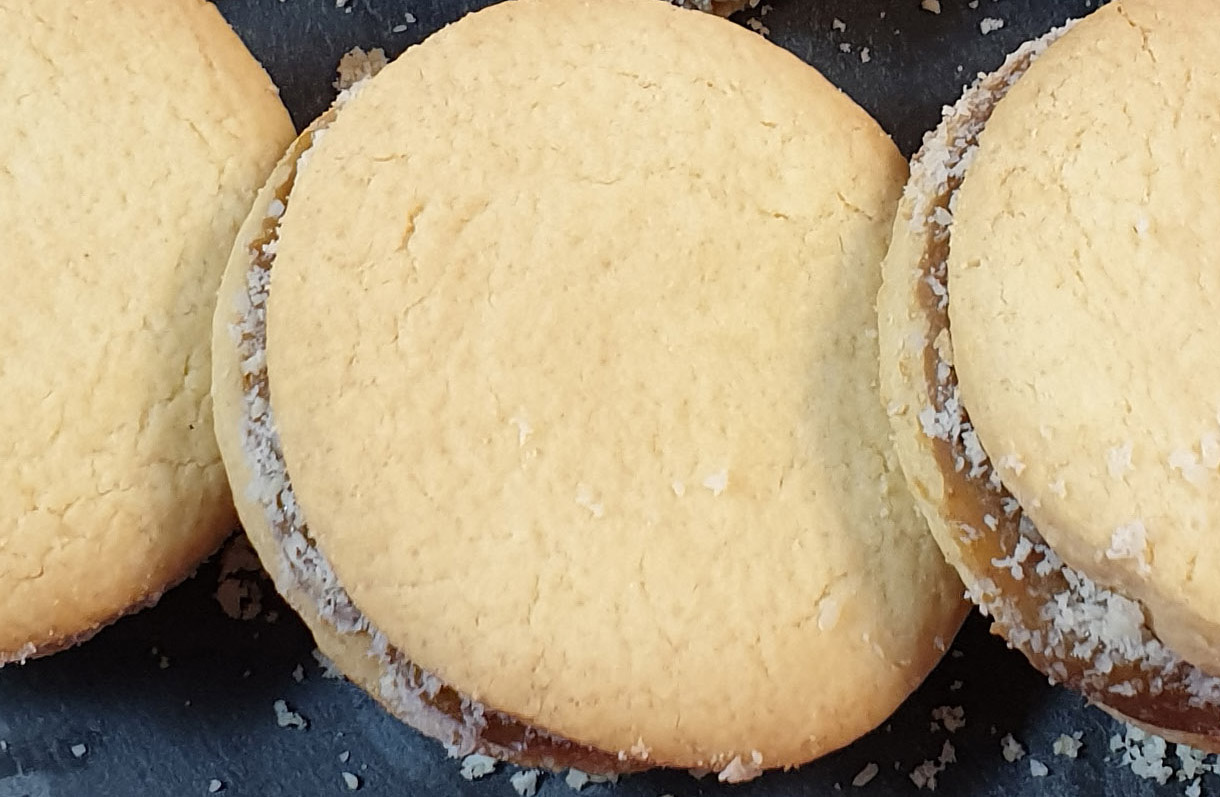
[(135, 134), (1048, 325), (545, 374)]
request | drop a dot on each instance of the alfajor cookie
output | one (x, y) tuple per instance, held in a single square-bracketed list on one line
[(134, 136), (545, 373), (1049, 334)]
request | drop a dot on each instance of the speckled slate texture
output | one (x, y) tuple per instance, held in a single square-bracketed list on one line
[(168, 700)]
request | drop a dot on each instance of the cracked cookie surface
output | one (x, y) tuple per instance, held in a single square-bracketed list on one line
[(134, 137)]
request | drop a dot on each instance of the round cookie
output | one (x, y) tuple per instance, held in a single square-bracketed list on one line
[(595, 412), (1105, 426), (134, 136), (1079, 631)]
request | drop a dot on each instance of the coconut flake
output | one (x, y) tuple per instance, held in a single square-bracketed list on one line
[(717, 482), (475, 766), (1068, 746), (866, 775), (525, 782), (1188, 464), (1118, 460), (287, 718), (1130, 541), (990, 24), (1011, 749), (739, 770)]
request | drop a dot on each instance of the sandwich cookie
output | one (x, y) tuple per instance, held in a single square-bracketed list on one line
[(134, 137), (1049, 332), (545, 373)]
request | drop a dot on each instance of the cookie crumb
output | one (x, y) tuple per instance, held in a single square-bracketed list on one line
[(237, 587), (287, 718), (924, 775), (351, 781), (214, 786), (989, 25), (758, 27), (357, 65), (952, 717), (239, 599), (1011, 749), (1037, 769), (865, 776), (1068, 746), (932, 6)]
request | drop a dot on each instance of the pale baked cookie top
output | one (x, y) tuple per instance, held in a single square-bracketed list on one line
[(133, 137), (1084, 286), (572, 352)]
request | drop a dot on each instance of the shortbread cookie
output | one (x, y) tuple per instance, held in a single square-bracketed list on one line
[(134, 136)]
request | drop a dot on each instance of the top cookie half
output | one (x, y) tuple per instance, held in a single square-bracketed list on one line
[(572, 354)]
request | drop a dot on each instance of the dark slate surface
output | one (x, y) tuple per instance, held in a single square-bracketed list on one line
[(166, 701)]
